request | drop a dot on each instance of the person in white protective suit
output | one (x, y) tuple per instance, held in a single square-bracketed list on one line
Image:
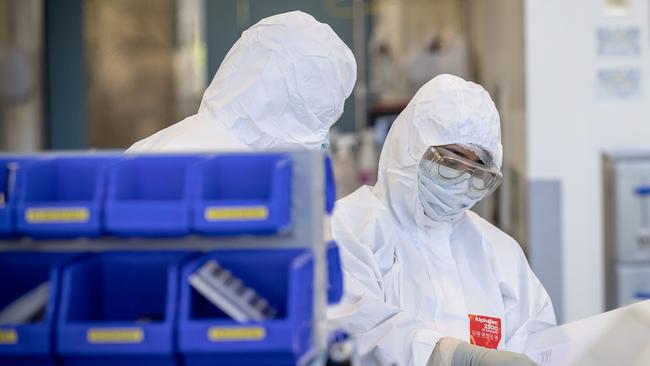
[(282, 85), (427, 282)]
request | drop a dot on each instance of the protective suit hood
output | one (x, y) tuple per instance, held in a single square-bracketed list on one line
[(446, 110), (282, 84)]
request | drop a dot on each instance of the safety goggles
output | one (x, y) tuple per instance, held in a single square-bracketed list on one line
[(454, 169)]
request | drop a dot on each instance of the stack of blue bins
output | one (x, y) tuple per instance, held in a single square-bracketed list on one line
[(119, 308), (30, 344), (133, 308), (207, 336), (61, 197)]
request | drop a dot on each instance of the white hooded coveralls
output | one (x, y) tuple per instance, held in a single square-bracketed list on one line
[(408, 281), (282, 85)]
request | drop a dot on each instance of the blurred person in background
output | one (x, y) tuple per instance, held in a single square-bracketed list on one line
[(282, 85), (442, 53), (426, 281)]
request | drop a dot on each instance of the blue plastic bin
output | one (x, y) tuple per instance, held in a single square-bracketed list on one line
[(119, 308), (207, 336), (642, 295), (642, 191), (9, 166), (29, 344), (334, 274), (149, 196), (330, 186), (243, 194), (61, 197)]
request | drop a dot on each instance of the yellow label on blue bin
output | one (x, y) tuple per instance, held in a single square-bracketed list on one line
[(57, 215), (238, 213), (115, 335), (8, 336), (224, 334)]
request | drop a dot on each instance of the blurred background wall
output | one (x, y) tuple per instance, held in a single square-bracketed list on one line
[(21, 75), (129, 53), (587, 76)]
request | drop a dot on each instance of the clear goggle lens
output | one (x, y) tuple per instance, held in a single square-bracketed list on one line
[(456, 169)]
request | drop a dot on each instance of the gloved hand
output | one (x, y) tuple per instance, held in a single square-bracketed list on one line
[(452, 352)]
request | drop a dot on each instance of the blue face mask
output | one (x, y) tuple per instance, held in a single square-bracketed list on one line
[(443, 202)]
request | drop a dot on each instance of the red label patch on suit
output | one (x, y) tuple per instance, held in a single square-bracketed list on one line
[(484, 331)]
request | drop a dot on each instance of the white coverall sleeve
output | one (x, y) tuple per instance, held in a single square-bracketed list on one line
[(528, 308), (385, 334)]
